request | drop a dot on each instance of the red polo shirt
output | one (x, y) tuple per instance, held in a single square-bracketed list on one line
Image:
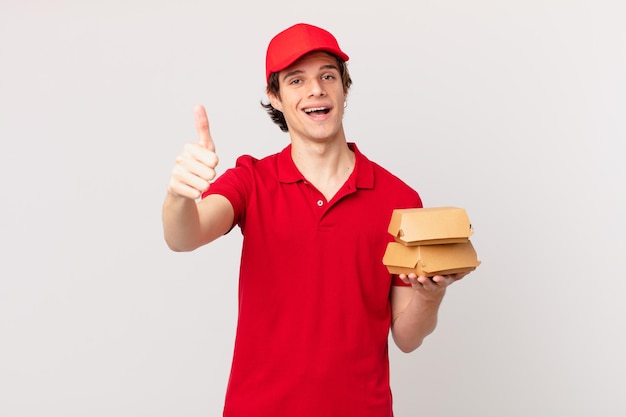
[(314, 310)]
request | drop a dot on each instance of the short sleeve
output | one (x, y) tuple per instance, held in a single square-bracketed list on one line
[(396, 281), (236, 184)]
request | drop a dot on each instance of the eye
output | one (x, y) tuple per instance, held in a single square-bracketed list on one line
[(295, 81), (328, 77)]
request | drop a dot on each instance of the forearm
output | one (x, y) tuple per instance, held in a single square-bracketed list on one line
[(411, 326), (181, 223)]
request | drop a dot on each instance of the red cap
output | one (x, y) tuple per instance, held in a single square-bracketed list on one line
[(292, 43)]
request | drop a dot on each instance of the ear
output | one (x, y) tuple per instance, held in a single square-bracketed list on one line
[(275, 101)]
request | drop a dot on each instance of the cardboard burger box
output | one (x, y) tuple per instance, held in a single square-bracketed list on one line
[(430, 241), (430, 260), (430, 226)]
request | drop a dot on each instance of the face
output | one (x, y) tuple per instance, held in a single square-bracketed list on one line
[(312, 98)]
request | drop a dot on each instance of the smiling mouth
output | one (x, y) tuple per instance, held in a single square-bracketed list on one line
[(317, 110)]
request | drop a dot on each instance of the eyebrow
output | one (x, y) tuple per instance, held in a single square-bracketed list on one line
[(296, 72)]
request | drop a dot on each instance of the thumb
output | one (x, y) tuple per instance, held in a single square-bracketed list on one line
[(202, 127)]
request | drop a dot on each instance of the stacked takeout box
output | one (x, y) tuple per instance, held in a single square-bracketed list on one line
[(430, 241)]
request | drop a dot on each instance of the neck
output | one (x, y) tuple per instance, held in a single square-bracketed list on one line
[(326, 165)]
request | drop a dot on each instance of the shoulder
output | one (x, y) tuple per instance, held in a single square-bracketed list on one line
[(387, 185), (382, 175), (252, 162), (396, 188)]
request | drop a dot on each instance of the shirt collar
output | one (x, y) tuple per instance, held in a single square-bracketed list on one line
[(362, 176)]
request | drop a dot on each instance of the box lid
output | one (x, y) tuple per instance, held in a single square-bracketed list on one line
[(430, 226)]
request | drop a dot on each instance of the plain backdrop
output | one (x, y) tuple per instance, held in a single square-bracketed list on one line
[(514, 110)]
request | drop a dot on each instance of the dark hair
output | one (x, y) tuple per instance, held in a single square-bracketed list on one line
[(273, 87)]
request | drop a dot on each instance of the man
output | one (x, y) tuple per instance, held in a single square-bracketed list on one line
[(316, 304)]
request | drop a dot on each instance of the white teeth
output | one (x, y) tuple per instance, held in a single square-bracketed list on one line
[(315, 109)]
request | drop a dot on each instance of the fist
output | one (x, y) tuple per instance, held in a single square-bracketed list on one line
[(195, 166)]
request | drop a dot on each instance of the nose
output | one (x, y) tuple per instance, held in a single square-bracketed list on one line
[(316, 88)]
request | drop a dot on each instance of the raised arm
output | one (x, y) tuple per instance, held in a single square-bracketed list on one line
[(187, 222)]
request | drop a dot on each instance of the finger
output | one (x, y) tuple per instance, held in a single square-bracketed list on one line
[(194, 152), (183, 178), (202, 127), (443, 280), (438, 278), (404, 278), (184, 189), (194, 168), (424, 281), (414, 280)]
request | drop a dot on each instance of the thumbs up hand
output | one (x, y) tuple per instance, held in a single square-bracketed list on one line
[(195, 166)]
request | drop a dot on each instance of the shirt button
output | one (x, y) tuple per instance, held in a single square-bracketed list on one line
[(320, 203)]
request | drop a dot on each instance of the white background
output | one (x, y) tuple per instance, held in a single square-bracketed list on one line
[(514, 110)]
